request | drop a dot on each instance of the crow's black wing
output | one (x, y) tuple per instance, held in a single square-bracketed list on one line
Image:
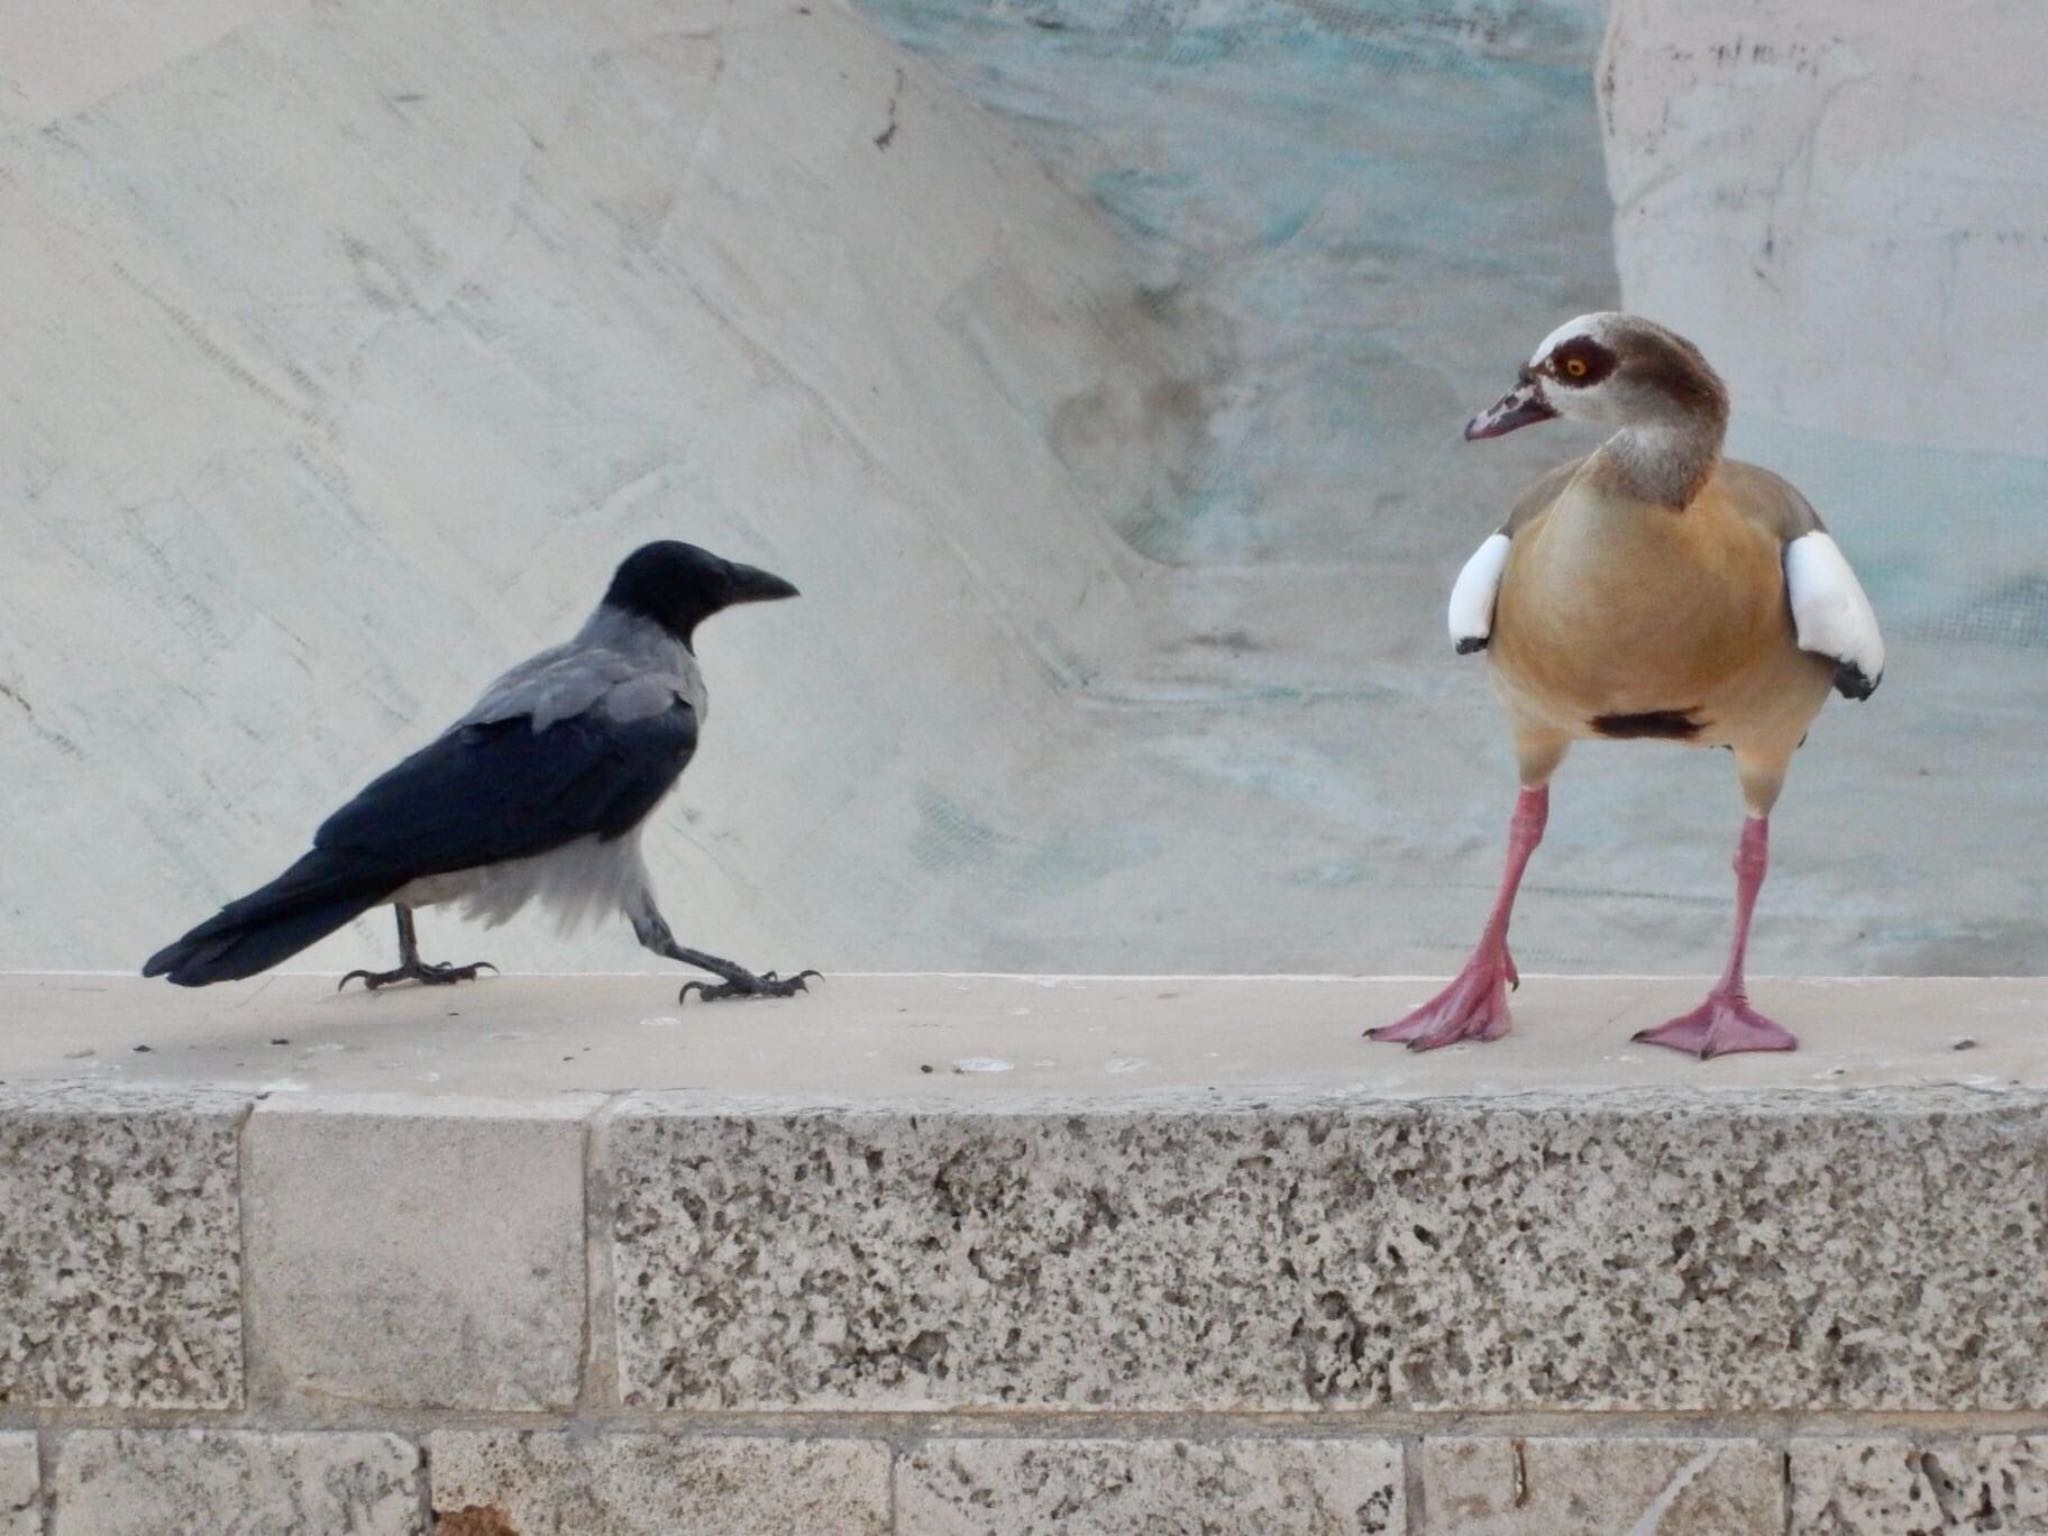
[(500, 789), (486, 791)]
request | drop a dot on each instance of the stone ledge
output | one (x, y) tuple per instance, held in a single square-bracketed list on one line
[(20, 1486), (1994, 1483), (987, 1040), (120, 1247), (1107, 1487), (585, 1482), (1198, 1246), (144, 1483), (1641, 1251), (429, 1255), (1552, 1486), (511, 1483)]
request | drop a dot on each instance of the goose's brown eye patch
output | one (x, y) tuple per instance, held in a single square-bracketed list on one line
[(1581, 360)]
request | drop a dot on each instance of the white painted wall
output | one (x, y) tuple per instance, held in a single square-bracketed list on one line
[(348, 348), (344, 349), (1846, 201)]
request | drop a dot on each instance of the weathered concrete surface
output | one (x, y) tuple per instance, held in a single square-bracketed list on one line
[(1331, 1487), (348, 348), (509, 1483), (1819, 191), (120, 1249), (416, 1256), (1628, 1251), (1547, 1486), (235, 1483), (476, 300), (988, 1039), (20, 1487), (1363, 309), (1925, 1487)]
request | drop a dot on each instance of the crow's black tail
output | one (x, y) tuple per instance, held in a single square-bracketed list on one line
[(300, 907)]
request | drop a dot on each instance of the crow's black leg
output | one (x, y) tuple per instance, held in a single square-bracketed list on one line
[(411, 967), (651, 929)]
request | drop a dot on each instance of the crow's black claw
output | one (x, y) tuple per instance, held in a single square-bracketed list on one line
[(425, 973), (744, 985)]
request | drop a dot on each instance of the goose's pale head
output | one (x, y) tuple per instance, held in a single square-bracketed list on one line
[(1612, 370)]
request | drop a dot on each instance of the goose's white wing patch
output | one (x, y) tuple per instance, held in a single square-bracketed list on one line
[(1472, 594), (1830, 614)]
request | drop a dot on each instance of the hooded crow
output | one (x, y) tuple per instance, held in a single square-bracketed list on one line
[(538, 793)]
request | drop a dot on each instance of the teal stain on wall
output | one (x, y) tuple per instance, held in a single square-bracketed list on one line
[(1946, 541), (1381, 204)]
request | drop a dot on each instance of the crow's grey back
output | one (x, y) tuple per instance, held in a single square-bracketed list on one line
[(629, 665)]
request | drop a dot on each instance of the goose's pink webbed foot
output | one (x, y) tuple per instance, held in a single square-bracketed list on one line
[(1720, 1026), (1725, 1023), (1475, 1005)]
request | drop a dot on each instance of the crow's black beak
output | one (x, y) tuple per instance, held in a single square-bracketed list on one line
[(1519, 407), (751, 584)]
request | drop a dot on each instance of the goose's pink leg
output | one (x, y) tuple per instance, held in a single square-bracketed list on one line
[(1475, 1005), (1725, 1022)]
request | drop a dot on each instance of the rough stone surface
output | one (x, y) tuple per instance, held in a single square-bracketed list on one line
[(1648, 1251), (1903, 1487), (1600, 1487), (413, 1255), (543, 1483), (236, 1483), (1136, 1488), (120, 1249), (20, 1487)]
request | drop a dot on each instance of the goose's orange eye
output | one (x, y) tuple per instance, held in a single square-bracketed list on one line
[(1575, 366)]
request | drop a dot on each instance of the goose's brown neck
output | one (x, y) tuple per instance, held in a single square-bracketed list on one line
[(1665, 463)]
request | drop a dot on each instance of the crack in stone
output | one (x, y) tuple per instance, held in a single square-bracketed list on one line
[(1653, 1516)]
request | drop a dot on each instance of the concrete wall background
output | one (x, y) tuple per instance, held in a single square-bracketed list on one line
[(1095, 369), (1865, 177)]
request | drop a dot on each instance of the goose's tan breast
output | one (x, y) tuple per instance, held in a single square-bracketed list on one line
[(1621, 618)]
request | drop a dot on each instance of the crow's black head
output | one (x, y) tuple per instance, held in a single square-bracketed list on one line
[(679, 586)]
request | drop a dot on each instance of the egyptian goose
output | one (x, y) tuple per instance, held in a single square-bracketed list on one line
[(1651, 589)]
